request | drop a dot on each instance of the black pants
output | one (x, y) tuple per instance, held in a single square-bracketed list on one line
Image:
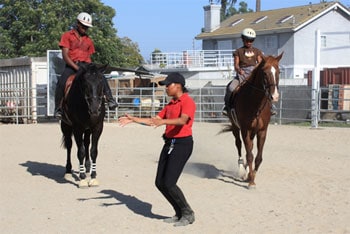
[(61, 83), (170, 167)]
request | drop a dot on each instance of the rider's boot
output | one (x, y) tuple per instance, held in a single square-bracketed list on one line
[(58, 102), (273, 110), (112, 104)]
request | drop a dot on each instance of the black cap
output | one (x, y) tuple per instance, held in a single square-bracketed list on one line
[(174, 77)]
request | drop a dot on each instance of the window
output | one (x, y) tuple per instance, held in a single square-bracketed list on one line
[(271, 42), (286, 18), (323, 41), (236, 22), (258, 20)]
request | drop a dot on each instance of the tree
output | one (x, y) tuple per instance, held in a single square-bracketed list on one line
[(225, 5), (243, 8), (228, 9), (131, 53), (159, 58), (31, 27)]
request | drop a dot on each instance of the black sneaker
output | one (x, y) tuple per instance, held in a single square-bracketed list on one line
[(185, 220), (173, 219)]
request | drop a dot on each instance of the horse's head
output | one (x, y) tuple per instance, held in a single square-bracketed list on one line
[(271, 71), (92, 85)]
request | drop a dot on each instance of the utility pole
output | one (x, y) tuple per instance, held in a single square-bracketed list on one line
[(258, 5)]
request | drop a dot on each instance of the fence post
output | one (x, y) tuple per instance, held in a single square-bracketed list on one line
[(200, 104), (280, 107), (316, 81)]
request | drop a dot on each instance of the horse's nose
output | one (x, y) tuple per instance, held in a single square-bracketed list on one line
[(94, 113), (275, 95), (94, 109)]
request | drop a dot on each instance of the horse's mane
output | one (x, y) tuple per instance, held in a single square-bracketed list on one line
[(253, 74), (265, 60), (89, 68)]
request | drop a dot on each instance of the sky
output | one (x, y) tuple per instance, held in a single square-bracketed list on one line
[(172, 25)]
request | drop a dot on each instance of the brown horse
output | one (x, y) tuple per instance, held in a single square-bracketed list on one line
[(250, 111)]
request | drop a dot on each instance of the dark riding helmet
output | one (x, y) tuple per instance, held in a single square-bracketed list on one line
[(248, 34)]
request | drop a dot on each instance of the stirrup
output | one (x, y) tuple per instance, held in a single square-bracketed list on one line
[(273, 110), (224, 111), (58, 113)]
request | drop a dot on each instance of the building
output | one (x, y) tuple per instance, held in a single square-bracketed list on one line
[(294, 31)]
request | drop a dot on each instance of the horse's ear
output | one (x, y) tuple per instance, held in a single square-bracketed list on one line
[(103, 68), (279, 56)]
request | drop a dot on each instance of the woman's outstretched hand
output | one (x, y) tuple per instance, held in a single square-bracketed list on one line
[(124, 120)]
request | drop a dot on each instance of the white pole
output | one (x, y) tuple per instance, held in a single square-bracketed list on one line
[(316, 81), (33, 91)]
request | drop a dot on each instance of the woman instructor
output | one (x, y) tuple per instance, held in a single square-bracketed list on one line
[(178, 117)]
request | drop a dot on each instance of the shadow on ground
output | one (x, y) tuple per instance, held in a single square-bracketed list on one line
[(131, 202), (50, 171), (207, 171)]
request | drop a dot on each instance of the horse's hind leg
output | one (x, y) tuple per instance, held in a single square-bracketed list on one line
[(67, 142), (242, 174), (238, 142)]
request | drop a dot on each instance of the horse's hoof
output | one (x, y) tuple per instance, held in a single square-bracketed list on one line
[(242, 173), (68, 176), (83, 184), (93, 183), (251, 186)]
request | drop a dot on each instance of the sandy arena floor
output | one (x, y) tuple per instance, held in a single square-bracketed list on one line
[(303, 185)]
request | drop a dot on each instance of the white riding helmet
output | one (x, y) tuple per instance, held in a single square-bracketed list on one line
[(248, 33), (85, 19)]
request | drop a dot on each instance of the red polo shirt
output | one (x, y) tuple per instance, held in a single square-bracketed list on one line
[(173, 110), (80, 48)]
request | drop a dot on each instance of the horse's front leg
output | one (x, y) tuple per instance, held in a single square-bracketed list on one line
[(261, 137), (94, 151), (81, 156), (248, 143), (87, 135)]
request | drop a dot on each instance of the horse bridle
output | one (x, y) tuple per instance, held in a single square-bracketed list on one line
[(267, 86), (87, 98)]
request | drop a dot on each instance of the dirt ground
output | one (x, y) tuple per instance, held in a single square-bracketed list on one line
[(303, 185)]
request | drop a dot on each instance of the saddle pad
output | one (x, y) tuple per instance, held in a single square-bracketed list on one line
[(68, 85)]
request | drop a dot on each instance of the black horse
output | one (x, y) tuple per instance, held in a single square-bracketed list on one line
[(84, 111)]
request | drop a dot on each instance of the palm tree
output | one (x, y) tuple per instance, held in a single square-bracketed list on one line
[(224, 4)]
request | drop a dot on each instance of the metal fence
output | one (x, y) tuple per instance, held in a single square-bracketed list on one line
[(295, 104), (17, 105)]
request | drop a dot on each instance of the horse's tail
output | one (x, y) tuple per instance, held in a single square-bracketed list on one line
[(63, 142), (227, 128), (66, 142)]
